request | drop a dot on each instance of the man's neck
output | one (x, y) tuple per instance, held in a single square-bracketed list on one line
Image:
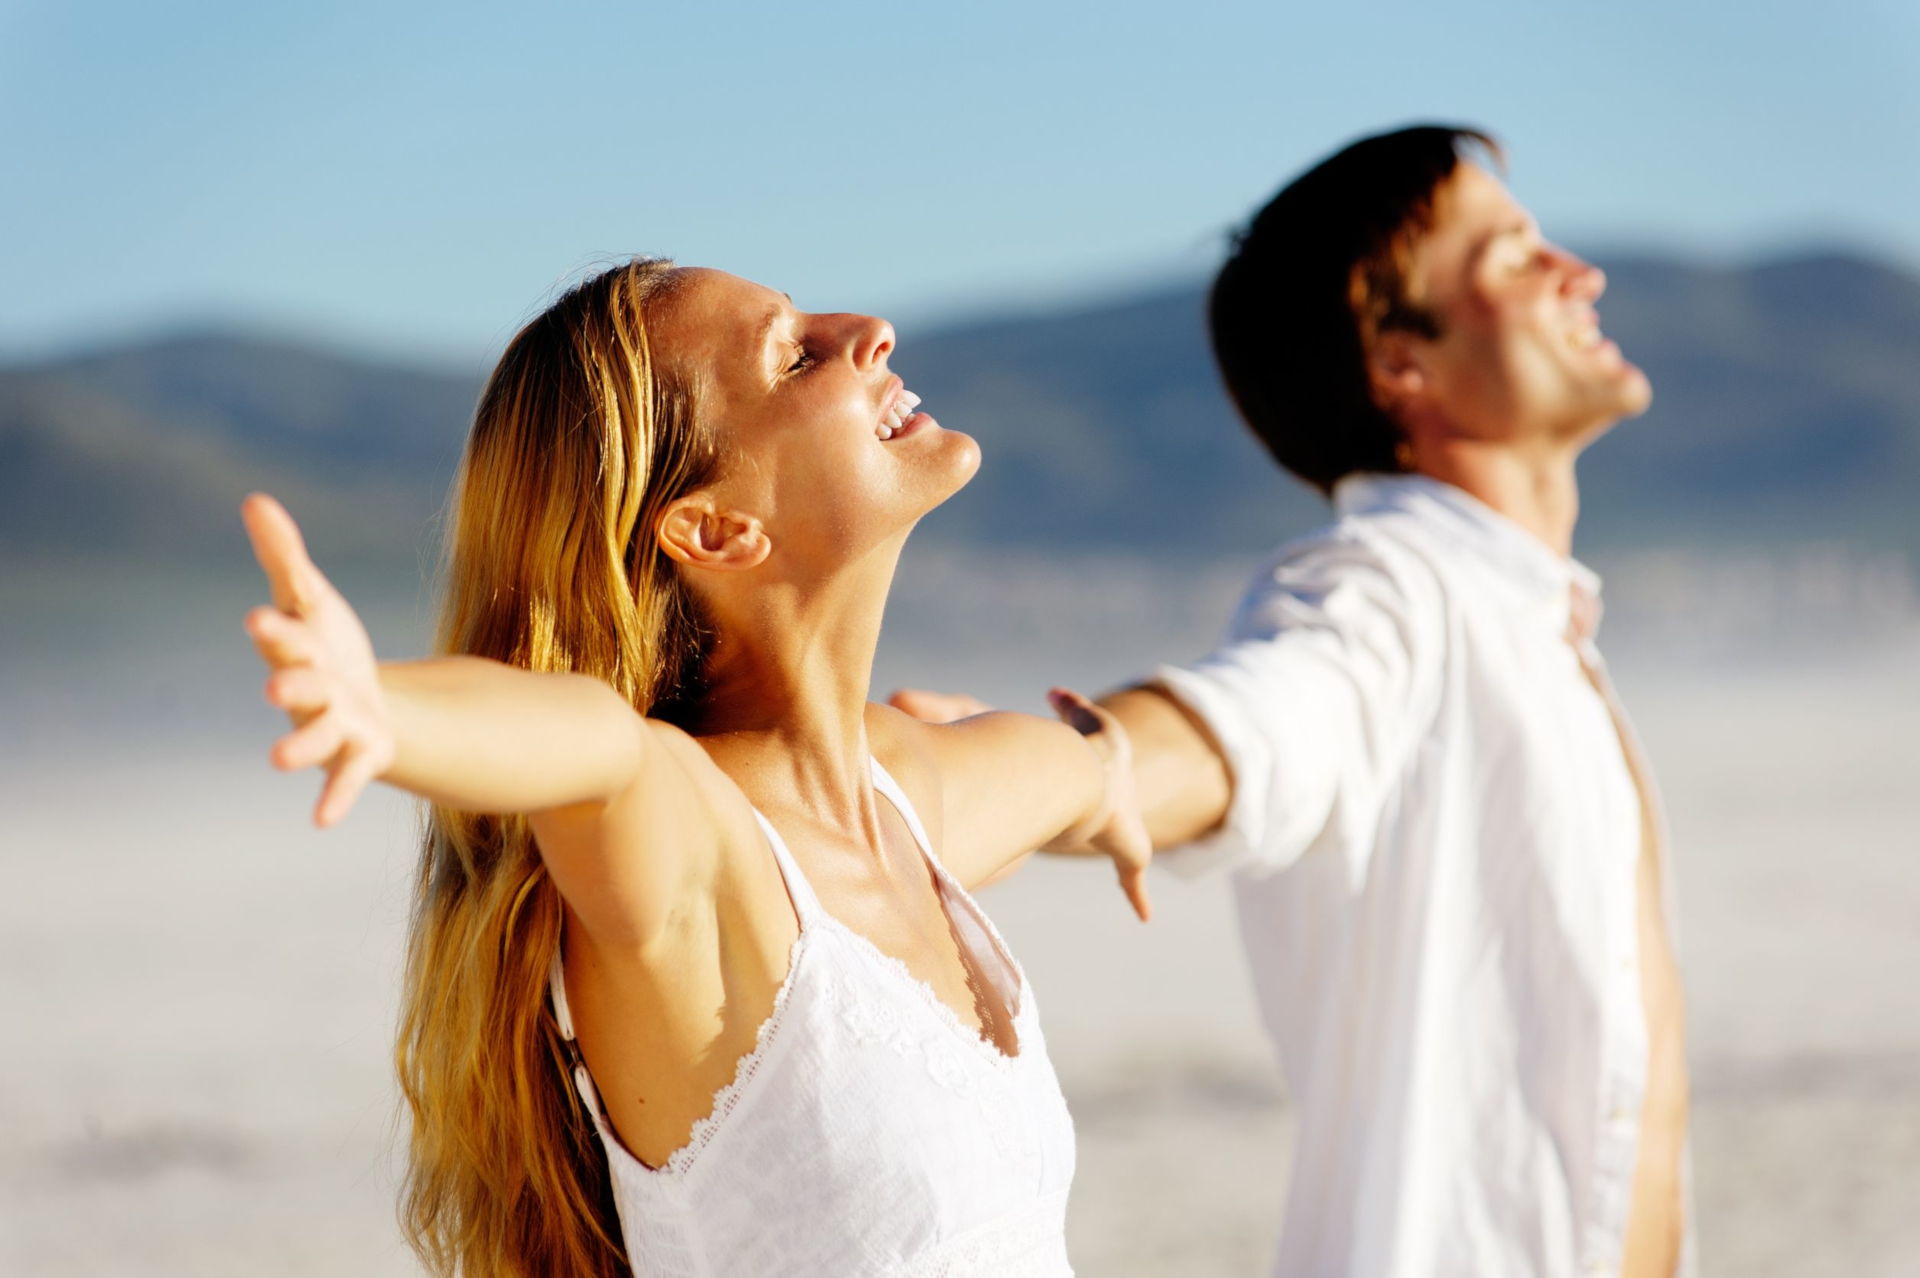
[(1535, 489)]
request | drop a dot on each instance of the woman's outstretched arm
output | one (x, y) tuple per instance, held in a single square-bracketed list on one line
[(1180, 773), (593, 775), (1013, 783)]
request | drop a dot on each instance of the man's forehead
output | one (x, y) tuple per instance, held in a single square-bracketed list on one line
[(1474, 201), (1471, 209)]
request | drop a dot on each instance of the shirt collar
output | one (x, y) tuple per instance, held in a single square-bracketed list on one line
[(1541, 577)]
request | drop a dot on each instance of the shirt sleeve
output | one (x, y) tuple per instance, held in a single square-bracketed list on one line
[(1326, 678)]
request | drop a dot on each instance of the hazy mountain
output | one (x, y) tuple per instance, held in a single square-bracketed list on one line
[(147, 449), (1787, 410)]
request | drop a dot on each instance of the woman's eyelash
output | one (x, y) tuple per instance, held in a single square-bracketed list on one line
[(801, 362)]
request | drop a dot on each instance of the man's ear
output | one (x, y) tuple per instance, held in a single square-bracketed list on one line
[(696, 532), (1395, 372)]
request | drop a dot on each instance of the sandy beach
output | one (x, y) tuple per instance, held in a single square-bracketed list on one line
[(195, 1073)]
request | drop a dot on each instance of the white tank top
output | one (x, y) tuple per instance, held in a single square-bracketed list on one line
[(870, 1131)]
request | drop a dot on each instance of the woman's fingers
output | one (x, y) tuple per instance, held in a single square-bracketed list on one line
[(282, 553), (355, 771), (937, 707), (299, 690), (324, 674), (310, 745), (280, 640)]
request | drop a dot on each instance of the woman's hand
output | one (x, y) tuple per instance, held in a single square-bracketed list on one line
[(1116, 828), (937, 707), (323, 672)]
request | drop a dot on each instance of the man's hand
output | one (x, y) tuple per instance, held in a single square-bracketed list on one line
[(1115, 829)]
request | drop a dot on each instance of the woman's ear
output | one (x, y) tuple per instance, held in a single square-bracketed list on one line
[(696, 532)]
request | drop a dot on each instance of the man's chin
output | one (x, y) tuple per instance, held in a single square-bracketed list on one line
[(1635, 392), (1625, 393), (1624, 398)]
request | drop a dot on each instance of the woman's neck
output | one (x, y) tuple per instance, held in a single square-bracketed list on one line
[(787, 685)]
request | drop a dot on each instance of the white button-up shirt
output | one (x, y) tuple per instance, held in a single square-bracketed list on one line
[(1434, 833)]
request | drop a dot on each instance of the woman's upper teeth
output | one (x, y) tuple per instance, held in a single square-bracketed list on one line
[(897, 413)]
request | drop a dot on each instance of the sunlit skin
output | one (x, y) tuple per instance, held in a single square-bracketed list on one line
[(678, 924), (1518, 382), (1501, 404), (1520, 379)]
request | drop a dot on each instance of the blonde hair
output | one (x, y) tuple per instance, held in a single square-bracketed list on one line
[(580, 440)]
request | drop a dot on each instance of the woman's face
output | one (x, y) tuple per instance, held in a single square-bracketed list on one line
[(819, 440)]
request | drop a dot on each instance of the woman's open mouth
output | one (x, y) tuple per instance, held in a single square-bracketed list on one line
[(902, 417)]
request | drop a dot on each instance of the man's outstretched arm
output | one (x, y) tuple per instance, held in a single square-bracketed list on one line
[(1179, 773)]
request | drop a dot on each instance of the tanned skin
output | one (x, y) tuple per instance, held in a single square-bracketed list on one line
[(1501, 404), (677, 919)]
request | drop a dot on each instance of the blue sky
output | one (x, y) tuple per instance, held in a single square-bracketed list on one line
[(416, 178)]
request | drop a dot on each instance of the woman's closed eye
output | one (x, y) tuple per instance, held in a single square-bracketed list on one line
[(803, 359)]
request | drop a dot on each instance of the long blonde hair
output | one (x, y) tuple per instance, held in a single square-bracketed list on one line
[(580, 440)]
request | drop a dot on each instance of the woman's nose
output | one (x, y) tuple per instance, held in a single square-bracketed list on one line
[(872, 339)]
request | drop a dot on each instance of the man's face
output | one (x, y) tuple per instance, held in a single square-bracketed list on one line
[(1520, 357)]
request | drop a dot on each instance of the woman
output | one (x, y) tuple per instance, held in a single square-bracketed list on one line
[(698, 978)]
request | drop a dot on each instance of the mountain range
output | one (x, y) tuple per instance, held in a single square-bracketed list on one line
[(1787, 412)]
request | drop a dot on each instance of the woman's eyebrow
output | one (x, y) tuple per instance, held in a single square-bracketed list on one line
[(765, 327)]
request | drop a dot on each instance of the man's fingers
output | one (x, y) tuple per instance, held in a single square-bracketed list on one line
[(1133, 881), (1134, 852), (937, 707), (282, 553), (1076, 711)]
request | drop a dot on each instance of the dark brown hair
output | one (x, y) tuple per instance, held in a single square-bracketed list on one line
[(1312, 280)]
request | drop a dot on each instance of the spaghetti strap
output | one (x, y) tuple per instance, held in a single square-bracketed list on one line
[(883, 782), (927, 1148), (563, 1019), (805, 904)]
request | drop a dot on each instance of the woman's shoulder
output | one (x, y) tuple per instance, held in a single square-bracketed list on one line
[(704, 774)]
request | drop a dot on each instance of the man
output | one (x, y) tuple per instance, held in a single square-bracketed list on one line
[(1447, 853)]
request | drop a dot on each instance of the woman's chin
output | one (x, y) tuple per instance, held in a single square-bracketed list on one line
[(951, 463)]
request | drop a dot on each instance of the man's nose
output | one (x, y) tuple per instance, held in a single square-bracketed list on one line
[(1583, 278)]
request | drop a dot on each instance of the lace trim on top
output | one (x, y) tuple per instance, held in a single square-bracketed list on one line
[(727, 1097), (724, 1100), (865, 1019), (957, 897)]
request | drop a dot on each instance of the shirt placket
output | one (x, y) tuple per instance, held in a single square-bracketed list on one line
[(1624, 1043)]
